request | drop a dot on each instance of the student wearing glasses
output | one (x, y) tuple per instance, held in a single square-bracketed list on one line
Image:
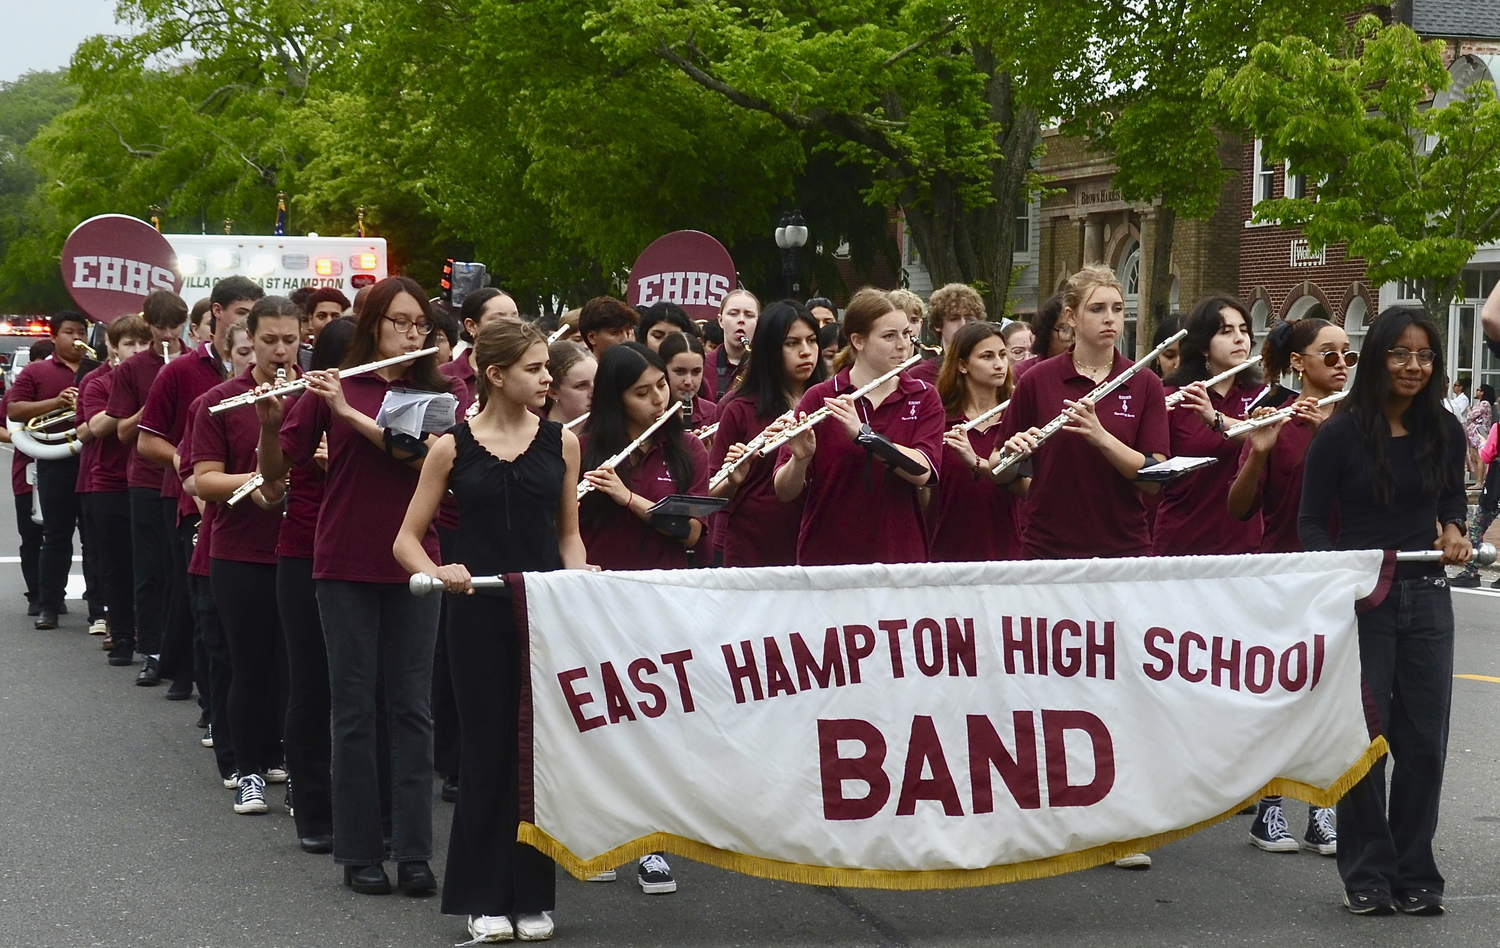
[(1391, 461)]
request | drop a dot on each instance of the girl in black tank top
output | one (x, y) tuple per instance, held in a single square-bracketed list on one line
[(515, 478)]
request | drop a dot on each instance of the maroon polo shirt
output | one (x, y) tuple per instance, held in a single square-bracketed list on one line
[(848, 517), (18, 461), (40, 381), (1193, 518), (1278, 493), (1078, 505), (616, 538), (367, 491), (756, 528), (246, 532), (203, 547), (168, 405), (926, 371), (971, 518), (304, 496), (93, 395), (132, 383)]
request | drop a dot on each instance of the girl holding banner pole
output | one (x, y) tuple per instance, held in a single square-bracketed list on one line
[(758, 529), (1268, 481), (1391, 460), (971, 518), (515, 478), (855, 509)]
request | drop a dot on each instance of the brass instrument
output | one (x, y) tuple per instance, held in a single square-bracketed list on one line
[(87, 350), (56, 416)]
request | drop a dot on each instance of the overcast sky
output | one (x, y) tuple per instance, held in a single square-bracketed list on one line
[(42, 34)]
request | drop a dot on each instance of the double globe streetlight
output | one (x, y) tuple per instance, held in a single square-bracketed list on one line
[(791, 236)]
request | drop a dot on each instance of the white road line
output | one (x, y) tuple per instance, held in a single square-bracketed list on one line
[(17, 559), (1491, 593)]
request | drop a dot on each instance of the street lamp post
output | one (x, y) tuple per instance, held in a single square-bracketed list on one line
[(791, 236)]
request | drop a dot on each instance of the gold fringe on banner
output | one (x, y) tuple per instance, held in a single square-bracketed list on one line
[(780, 871)]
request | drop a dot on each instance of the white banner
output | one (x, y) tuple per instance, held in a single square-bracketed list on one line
[(934, 725)]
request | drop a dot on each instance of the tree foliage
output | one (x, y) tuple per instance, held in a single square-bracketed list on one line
[(28, 275), (1410, 184)]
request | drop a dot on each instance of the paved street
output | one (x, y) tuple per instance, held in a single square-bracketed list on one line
[(114, 831)]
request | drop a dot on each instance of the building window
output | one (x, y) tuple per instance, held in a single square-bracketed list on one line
[(1295, 185), (1408, 290), (1022, 241), (1265, 176)]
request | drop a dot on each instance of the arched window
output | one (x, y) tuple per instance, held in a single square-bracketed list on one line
[(1260, 315), (1129, 273)]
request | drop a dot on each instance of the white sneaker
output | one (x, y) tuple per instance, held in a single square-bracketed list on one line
[(534, 927), (607, 875), (487, 929), (98, 627), (1134, 861), (275, 775), (232, 782)]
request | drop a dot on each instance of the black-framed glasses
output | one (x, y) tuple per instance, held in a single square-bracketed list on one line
[(404, 325), (1402, 355), (1063, 330), (1333, 357)]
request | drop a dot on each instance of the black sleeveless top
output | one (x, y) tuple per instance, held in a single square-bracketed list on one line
[(507, 510)]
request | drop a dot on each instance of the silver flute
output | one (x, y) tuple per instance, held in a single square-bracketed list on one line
[(1277, 415), (297, 385), (585, 486), (774, 444), (752, 451), (986, 416), (1175, 399)]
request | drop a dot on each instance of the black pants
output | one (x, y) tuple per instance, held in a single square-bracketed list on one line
[(93, 557), (489, 873), (246, 597), (1406, 648), (107, 514), (177, 623), (220, 673), (445, 738), (55, 482), (152, 556), (307, 737), (31, 547)]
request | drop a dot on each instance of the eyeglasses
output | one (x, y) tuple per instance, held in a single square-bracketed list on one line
[(1402, 355), (404, 325), (1333, 357), (1063, 330)]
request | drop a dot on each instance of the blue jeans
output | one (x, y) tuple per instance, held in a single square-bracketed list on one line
[(1406, 648), (370, 628)]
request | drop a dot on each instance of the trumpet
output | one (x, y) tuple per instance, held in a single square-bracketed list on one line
[(1175, 399), (570, 425), (585, 486), (1277, 415), (297, 385), (986, 416), (1008, 461), (774, 444)]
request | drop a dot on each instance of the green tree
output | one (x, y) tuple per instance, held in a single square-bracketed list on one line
[(1408, 182), (29, 280)]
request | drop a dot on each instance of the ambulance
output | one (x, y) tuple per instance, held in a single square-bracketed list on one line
[(279, 264)]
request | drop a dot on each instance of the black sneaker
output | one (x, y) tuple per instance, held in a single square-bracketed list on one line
[(181, 690), (203, 721), (33, 608), (1465, 580), (207, 740), (1321, 837), (1420, 902), (1495, 584), (1269, 831), (46, 619), (1373, 902), (450, 788), (655, 876), (122, 653), (250, 798), (150, 674), (288, 801)]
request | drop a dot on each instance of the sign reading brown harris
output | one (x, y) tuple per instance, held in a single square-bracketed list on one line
[(110, 262), (686, 267)]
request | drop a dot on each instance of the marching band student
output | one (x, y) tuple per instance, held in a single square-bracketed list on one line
[(948, 309), (515, 478), (447, 335), (200, 330), (172, 393), (151, 554), (910, 304), (605, 321), (30, 530), (46, 386), (1269, 481), (758, 529), (1084, 499), (683, 355), (107, 505), (242, 557), (1052, 335), (737, 315), (841, 484), (322, 305), (305, 735), (1192, 519), (1171, 357), (1391, 460), (1018, 340), (630, 394), (660, 320), (572, 370), (970, 517), (480, 308), (370, 620), (830, 341), (823, 311)]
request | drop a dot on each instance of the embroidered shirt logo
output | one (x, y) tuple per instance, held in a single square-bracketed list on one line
[(911, 411), (1124, 409)]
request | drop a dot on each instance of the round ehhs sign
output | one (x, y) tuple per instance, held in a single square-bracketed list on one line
[(110, 262), (686, 267)]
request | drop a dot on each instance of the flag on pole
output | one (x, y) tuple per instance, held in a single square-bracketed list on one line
[(359, 222), (280, 229)]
